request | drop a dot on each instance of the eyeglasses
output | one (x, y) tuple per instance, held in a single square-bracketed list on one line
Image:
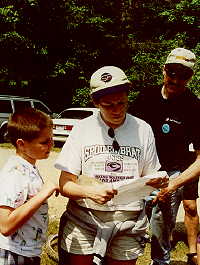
[(115, 144), (179, 74), (113, 105)]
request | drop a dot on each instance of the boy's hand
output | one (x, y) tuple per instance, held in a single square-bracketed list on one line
[(57, 193), (50, 187)]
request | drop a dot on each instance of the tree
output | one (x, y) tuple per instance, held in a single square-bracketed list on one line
[(58, 44)]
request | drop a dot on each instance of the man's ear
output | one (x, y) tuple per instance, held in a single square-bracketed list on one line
[(164, 71), (95, 103)]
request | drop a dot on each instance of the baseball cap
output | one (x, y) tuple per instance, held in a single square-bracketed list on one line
[(108, 80), (182, 56)]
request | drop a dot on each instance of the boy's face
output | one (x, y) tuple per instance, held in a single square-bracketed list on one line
[(38, 148)]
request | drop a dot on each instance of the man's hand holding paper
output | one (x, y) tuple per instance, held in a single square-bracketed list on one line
[(158, 183)]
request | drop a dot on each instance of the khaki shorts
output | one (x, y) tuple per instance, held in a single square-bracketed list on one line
[(123, 246)]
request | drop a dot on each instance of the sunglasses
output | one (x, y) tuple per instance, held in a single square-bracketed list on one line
[(115, 144), (179, 74)]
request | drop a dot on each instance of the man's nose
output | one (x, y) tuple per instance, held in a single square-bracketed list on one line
[(117, 108)]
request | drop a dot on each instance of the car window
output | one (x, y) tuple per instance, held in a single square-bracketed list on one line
[(38, 105), (75, 114), (5, 106), (19, 105)]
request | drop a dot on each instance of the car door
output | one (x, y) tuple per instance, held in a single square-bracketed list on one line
[(21, 104), (5, 109)]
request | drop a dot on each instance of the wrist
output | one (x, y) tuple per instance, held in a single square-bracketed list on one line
[(46, 193), (87, 192), (173, 185)]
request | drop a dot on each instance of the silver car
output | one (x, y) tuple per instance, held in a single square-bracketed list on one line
[(10, 104)]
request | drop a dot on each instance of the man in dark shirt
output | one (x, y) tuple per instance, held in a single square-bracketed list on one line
[(173, 112)]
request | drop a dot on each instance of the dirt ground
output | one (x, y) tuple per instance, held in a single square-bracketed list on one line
[(47, 170)]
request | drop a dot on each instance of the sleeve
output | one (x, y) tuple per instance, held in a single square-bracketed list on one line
[(14, 189), (70, 156), (151, 161)]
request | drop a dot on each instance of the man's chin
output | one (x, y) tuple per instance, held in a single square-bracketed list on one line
[(118, 120), (172, 88)]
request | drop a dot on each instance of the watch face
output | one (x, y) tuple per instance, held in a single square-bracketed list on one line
[(165, 128)]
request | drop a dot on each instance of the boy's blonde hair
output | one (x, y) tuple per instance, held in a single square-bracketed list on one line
[(27, 124)]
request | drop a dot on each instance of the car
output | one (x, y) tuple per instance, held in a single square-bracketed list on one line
[(10, 104), (65, 121)]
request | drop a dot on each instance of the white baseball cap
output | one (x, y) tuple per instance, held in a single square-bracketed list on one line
[(182, 56), (107, 80)]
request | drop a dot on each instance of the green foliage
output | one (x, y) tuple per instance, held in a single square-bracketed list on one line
[(62, 69), (13, 45), (132, 96), (9, 14), (67, 40), (13, 40), (82, 97)]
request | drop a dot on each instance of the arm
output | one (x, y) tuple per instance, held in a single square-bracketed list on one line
[(69, 187), (158, 183), (11, 219), (191, 173)]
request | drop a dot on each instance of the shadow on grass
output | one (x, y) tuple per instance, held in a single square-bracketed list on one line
[(58, 144), (179, 234), (179, 245)]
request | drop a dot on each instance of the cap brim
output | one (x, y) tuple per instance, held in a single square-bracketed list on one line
[(184, 63), (110, 90)]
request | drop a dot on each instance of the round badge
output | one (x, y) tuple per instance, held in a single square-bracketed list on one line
[(166, 128), (106, 77)]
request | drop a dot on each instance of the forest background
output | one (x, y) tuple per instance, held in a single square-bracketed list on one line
[(49, 49)]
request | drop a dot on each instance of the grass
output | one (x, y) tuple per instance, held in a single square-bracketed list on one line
[(46, 257), (6, 145), (178, 253)]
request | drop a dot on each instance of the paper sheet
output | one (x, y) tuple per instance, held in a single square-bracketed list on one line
[(129, 191), (134, 190)]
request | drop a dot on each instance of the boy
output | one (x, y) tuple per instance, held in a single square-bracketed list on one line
[(23, 195)]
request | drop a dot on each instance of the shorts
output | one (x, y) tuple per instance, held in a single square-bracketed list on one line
[(124, 246), (190, 190), (9, 258)]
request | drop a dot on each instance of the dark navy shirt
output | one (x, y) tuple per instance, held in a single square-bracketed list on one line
[(175, 122)]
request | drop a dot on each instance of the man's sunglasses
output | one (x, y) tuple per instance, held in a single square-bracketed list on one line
[(115, 144), (179, 74)]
